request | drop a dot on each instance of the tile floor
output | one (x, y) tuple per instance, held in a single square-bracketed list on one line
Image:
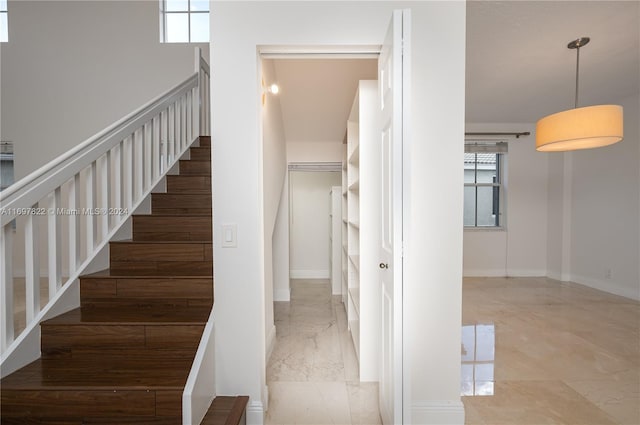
[(534, 351), (537, 351), (313, 371)]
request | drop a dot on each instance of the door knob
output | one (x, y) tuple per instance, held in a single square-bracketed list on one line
[(384, 266)]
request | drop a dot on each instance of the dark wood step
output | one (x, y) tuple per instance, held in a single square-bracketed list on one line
[(181, 204), (227, 410), (86, 328), (205, 141), (103, 290), (200, 154), (172, 228), (193, 167), (188, 184), (159, 251), (63, 389)]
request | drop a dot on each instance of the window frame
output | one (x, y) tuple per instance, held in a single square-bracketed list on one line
[(498, 147), (5, 11), (189, 12)]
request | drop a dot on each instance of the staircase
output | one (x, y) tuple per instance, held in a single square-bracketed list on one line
[(124, 356)]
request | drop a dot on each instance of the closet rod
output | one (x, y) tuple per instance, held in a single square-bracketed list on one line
[(523, 133)]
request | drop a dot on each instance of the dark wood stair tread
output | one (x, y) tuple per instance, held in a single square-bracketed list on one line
[(108, 373), (141, 274), (226, 410), (132, 316)]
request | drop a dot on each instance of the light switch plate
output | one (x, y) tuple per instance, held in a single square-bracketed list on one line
[(229, 235)]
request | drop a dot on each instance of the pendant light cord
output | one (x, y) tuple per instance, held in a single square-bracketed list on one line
[(577, 74)]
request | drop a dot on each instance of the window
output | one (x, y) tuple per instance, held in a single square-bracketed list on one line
[(4, 22), (184, 21), (483, 184)]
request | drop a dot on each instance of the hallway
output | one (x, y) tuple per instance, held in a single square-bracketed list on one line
[(313, 371)]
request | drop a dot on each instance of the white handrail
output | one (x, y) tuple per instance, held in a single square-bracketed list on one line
[(93, 189)]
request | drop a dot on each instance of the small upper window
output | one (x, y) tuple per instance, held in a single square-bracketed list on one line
[(4, 22), (184, 21)]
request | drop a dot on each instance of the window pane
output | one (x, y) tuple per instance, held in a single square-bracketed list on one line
[(3, 5), (485, 202), (200, 5), (4, 29), (177, 28), (486, 167), (469, 206), (177, 5), (199, 27)]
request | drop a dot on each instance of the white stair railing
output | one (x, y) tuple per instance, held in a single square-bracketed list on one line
[(79, 200)]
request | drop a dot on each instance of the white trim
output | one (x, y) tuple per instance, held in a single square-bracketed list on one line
[(441, 412), (282, 295), (255, 413), (526, 273), (608, 286), (271, 341), (309, 274), (484, 273), (320, 52)]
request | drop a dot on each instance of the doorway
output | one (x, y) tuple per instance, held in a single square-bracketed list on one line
[(313, 360)]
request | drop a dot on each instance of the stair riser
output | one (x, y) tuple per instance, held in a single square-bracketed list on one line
[(155, 252), (189, 184), (75, 404), (161, 290), (195, 268), (205, 141), (194, 167), (200, 154), (171, 228), (58, 339), (182, 201)]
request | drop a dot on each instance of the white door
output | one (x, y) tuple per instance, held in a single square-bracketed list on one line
[(393, 71)]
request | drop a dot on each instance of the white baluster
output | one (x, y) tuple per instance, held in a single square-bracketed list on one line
[(90, 190), (147, 131), (127, 172), (164, 137), (189, 119), (6, 286), (105, 192), (74, 223), (195, 112), (55, 243), (171, 133), (116, 157), (138, 146), (155, 147), (32, 265)]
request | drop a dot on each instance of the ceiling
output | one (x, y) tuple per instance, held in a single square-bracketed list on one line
[(518, 66)]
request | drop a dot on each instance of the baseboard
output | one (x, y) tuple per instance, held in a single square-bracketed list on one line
[(271, 342), (608, 286), (443, 412), (255, 413), (282, 294), (526, 273), (309, 274), (484, 273)]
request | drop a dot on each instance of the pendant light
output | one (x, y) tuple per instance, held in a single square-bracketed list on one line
[(580, 128)]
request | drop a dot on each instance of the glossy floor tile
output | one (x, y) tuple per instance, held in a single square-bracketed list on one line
[(538, 351), (313, 371)]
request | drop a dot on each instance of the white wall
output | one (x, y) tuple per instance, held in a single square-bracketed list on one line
[(310, 206), (274, 167), (520, 249), (433, 300), (604, 245), (71, 68), (315, 151)]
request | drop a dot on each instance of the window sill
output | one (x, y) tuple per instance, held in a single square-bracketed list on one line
[(485, 229)]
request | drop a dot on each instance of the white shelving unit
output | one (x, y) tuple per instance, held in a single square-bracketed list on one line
[(361, 195), (335, 239), (344, 229)]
